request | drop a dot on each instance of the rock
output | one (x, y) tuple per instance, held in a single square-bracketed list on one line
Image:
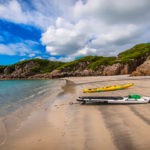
[(142, 70), (86, 72), (55, 74), (8, 70), (114, 69)]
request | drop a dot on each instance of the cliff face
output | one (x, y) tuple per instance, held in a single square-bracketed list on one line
[(143, 69), (120, 68), (135, 61), (115, 69)]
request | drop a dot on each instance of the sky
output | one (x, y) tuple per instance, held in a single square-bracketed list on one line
[(68, 29)]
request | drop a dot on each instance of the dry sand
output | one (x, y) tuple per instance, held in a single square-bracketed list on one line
[(64, 124)]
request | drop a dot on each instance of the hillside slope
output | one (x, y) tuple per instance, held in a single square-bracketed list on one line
[(126, 62), (28, 68)]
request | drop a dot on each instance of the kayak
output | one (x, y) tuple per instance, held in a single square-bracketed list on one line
[(108, 88), (130, 99)]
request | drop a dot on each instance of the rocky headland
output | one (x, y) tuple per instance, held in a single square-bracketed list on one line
[(134, 61)]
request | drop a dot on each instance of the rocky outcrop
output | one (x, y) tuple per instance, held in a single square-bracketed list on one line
[(19, 71), (24, 71), (134, 61), (103, 70), (142, 70), (114, 69), (8, 70)]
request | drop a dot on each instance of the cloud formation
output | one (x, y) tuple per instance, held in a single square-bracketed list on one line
[(20, 49), (65, 38), (98, 27), (75, 28), (16, 12), (118, 11)]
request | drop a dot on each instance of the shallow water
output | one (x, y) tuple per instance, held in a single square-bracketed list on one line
[(16, 93)]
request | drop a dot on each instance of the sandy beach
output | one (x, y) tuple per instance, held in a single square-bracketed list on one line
[(64, 124)]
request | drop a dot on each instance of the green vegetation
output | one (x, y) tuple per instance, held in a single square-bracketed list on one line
[(93, 62), (87, 59), (136, 52), (2, 69), (41, 65), (35, 66), (102, 61), (90, 62)]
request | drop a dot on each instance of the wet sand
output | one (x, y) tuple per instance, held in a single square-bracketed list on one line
[(65, 124)]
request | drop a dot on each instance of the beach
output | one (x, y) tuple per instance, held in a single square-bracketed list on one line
[(60, 122)]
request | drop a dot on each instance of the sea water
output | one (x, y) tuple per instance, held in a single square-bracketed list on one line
[(16, 93)]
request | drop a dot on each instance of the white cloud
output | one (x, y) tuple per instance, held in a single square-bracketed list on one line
[(13, 11), (20, 49), (114, 11), (5, 50), (31, 55), (40, 13), (63, 59), (116, 35), (85, 51), (39, 57), (83, 38), (75, 28), (98, 27), (23, 59), (64, 38)]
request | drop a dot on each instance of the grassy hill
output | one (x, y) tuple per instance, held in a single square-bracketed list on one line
[(33, 66), (40, 66), (93, 62), (135, 52)]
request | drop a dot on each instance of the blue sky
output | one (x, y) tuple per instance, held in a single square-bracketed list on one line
[(23, 40), (73, 28)]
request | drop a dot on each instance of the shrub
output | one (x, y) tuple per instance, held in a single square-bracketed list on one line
[(102, 61), (135, 52)]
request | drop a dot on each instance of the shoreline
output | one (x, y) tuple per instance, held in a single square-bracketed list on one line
[(65, 124), (68, 77), (11, 121)]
